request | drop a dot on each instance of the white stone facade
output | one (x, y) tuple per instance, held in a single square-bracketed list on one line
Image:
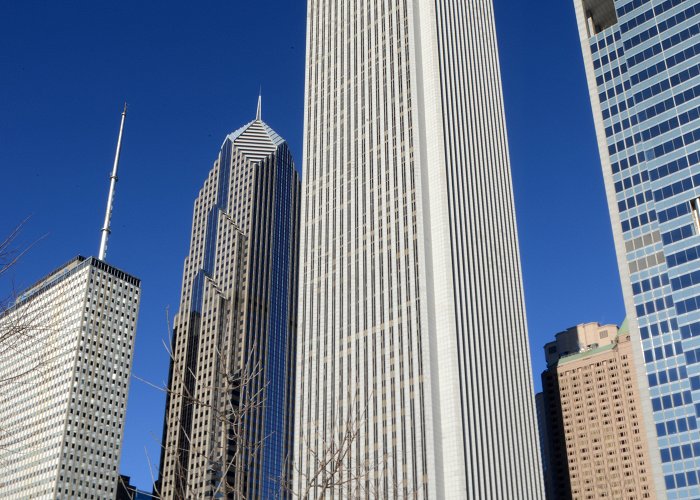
[(65, 372), (411, 312)]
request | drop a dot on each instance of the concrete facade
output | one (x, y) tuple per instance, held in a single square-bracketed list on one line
[(65, 381)]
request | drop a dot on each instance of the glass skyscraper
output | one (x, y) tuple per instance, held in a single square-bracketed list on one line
[(413, 350), (642, 61), (230, 405)]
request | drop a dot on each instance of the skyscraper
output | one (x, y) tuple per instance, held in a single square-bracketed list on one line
[(66, 346), (413, 349), (229, 414), (65, 361), (642, 63), (594, 430)]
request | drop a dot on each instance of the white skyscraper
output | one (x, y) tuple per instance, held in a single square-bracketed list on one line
[(413, 343), (65, 360), (66, 347)]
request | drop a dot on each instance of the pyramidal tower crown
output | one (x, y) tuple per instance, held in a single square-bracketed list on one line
[(256, 140)]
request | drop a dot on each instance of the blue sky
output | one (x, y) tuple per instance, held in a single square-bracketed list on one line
[(191, 73)]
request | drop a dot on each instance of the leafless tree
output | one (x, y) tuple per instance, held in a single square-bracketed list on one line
[(235, 397), (130, 493), (239, 395), (10, 253), (19, 326), (18, 329), (335, 472)]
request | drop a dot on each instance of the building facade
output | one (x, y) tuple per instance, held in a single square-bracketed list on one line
[(642, 62), (591, 410), (410, 282), (65, 361), (228, 429)]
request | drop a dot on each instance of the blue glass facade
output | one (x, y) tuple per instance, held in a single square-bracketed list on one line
[(273, 278), (646, 64)]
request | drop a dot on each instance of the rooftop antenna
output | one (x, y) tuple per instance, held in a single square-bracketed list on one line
[(258, 115), (112, 185)]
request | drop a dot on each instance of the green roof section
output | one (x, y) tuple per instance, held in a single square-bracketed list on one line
[(585, 354), (623, 330)]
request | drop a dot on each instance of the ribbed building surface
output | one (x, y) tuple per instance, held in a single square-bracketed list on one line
[(412, 335), (65, 361), (642, 60), (228, 431)]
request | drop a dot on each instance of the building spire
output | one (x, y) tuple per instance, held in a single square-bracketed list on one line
[(258, 115), (112, 185)]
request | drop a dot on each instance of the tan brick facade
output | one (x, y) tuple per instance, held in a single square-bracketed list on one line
[(594, 421)]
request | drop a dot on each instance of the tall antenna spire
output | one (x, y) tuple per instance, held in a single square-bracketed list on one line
[(258, 115), (112, 185)]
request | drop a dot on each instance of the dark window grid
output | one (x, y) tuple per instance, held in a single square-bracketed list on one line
[(625, 163), (690, 330), (638, 221), (670, 401), (657, 329), (683, 257), (652, 91), (661, 27), (678, 234), (650, 284), (654, 306), (662, 46), (678, 187), (666, 64), (655, 131), (631, 181), (688, 305), (672, 145), (648, 15), (682, 452), (615, 72), (662, 352), (671, 427), (629, 7), (659, 151), (674, 166), (612, 56), (633, 201), (669, 376), (618, 89), (602, 42)]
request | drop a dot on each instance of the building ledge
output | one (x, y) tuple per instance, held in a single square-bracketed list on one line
[(600, 15)]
